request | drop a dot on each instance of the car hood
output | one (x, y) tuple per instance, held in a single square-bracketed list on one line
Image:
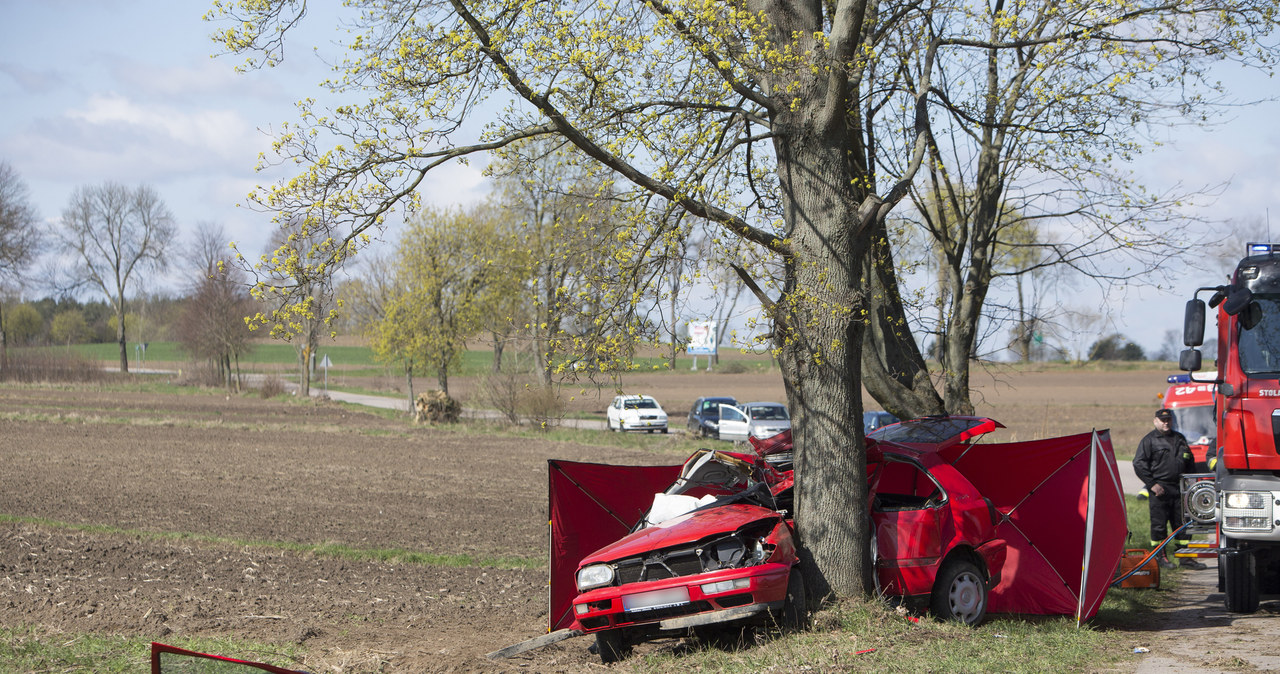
[(682, 529)]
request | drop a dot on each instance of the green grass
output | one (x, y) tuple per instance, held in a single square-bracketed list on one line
[(360, 361), (27, 649)]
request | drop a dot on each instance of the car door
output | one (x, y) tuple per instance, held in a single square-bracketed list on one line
[(733, 423), (907, 512)]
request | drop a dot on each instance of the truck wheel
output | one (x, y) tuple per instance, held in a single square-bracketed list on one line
[(610, 646), (959, 593), (795, 610), (1240, 581)]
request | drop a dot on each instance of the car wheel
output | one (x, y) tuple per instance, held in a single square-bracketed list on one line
[(795, 610), (610, 647), (664, 431), (959, 593)]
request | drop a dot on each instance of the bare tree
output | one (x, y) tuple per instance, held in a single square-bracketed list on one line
[(112, 232), (212, 324), (19, 239)]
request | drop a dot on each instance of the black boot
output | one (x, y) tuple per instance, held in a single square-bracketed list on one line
[(1165, 562), (1189, 563)]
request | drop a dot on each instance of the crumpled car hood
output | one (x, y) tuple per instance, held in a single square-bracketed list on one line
[(683, 529)]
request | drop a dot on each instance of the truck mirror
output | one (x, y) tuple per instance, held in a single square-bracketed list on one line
[(1193, 324), (1236, 302), (1189, 360)]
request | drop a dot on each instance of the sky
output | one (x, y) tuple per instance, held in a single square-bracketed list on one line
[(128, 91)]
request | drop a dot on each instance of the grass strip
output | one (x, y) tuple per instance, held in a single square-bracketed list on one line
[(330, 549), (29, 649)]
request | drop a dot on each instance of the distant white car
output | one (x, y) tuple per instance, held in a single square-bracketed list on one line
[(758, 420), (636, 413)]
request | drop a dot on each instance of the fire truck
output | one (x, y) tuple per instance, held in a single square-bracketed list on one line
[(1192, 403), (1241, 499)]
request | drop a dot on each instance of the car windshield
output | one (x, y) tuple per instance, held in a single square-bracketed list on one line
[(641, 405), (1196, 424), (768, 413), (1260, 344), (925, 431), (711, 408)]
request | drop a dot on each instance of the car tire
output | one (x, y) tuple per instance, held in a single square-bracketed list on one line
[(795, 609), (610, 646), (665, 430), (959, 593)]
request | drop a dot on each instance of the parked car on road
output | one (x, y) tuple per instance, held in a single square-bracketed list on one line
[(871, 420), (753, 420), (636, 413), (704, 416)]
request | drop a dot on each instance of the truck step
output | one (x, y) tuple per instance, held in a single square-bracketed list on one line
[(1196, 551)]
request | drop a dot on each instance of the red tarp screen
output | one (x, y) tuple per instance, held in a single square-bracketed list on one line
[(1043, 490), (603, 502)]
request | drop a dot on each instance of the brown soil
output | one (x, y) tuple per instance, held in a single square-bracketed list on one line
[(181, 507)]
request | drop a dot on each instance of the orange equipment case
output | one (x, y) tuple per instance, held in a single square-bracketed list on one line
[(1146, 576)]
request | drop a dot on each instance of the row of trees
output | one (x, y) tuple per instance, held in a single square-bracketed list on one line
[(108, 238), (796, 130)]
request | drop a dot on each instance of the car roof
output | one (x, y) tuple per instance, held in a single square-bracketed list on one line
[(932, 434)]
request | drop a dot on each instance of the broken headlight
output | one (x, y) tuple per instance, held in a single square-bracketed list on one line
[(596, 575)]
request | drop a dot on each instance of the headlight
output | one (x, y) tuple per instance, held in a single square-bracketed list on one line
[(1246, 511), (1247, 500), (596, 575)]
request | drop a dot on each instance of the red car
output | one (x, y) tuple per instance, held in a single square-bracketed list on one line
[(717, 545)]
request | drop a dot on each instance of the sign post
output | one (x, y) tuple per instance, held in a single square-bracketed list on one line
[(326, 364)]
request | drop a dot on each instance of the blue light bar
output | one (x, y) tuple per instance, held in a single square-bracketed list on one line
[(1259, 248), (1179, 378)]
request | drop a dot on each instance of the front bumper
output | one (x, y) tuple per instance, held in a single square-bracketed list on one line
[(685, 603)]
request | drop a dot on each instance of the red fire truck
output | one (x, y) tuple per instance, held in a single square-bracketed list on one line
[(1192, 404), (1246, 504)]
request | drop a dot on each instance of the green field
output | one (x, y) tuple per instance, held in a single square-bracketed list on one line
[(351, 360)]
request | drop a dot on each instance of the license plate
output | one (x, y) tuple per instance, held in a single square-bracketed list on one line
[(644, 601)]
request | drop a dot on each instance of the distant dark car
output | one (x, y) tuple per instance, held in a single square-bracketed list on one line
[(876, 419), (704, 416)]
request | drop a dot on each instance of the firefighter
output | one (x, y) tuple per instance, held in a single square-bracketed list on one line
[(1162, 457)]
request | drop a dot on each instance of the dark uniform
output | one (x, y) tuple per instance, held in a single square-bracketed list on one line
[(1162, 458)]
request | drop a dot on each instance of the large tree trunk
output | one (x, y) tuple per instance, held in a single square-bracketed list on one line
[(818, 327)]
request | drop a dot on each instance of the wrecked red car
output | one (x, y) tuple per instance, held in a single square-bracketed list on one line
[(646, 552)]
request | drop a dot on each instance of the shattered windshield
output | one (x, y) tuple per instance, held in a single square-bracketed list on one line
[(641, 405), (929, 430)]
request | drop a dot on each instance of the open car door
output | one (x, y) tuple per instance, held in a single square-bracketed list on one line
[(733, 423)]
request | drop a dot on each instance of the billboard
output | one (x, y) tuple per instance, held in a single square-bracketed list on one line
[(702, 338)]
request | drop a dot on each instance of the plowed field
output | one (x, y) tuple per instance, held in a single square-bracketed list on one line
[(157, 517)]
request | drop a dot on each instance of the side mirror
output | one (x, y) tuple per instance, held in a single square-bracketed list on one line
[(1236, 301), (1193, 325), (1189, 360)]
